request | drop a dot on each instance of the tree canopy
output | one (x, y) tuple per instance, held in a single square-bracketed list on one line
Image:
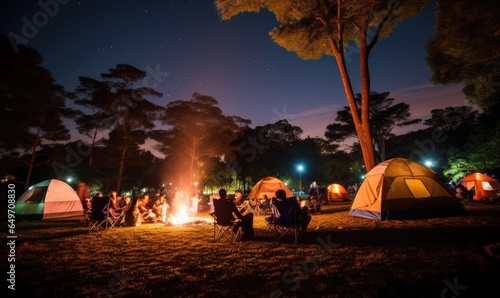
[(384, 115), (32, 105), (336, 28), (466, 48), (197, 132), (119, 105)]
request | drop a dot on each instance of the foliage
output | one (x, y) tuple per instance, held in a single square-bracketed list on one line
[(458, 166), (197, 132), (384, 118), (315, 28), (465, 48), (93, 95), (32, 105), (480, 151), (276, 150), (132, 113)]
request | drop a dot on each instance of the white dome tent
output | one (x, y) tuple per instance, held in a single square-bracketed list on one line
[(47, 200)]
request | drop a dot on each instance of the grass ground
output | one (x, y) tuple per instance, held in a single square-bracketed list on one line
[(341, 256)]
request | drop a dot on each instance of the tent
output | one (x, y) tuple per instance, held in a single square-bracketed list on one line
[(268, 186), (485, 186), (337, 192), (47, 200), (400, 188)]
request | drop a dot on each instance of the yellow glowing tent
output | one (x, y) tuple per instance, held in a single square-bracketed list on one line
[(268, 186), (337, 192), (400, 188)]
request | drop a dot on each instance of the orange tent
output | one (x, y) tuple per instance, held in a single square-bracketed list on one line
[(484, 186), (337, 192), (268, 186), (400, 188)]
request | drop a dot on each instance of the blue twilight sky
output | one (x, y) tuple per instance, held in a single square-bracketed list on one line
[(186, 47)]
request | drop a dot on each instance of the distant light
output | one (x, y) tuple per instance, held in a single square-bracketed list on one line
[(300, 168), (428, 163), (69, 179)]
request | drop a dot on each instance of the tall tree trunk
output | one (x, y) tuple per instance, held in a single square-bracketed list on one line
[(120, 170), (33, 154), (92, 145), (361, 123), (365, 138)]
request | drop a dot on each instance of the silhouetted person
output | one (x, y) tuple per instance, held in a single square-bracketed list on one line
[(246, 220)]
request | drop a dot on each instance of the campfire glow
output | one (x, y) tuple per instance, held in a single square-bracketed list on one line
[(184, 209), (180, 218)]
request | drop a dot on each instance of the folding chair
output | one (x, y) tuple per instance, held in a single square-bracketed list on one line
[(284, 221), (101, 217), (98, 214), (227, 225), (265, 207), (254, 206), (115, 217)]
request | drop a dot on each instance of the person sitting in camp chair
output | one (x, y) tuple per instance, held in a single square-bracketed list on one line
[(160, 208), (115, 209), (304, 215), (241, 204), (246, 220), (461, 193), (132, 215), (146, 214)]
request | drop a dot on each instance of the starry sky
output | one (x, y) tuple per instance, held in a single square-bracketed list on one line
[(186, 47)]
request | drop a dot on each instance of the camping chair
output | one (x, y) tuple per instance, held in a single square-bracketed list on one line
[(98, 214), (254, 206), (115, 217), (284, 221), (265, 207), (226, 224), (101, 218)]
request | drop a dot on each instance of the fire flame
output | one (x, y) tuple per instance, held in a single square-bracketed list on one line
[(184, 209)]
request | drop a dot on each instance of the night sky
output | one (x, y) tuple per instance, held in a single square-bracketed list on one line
[(186, 47)]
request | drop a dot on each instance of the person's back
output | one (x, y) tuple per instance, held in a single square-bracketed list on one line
[(226, 211), (223, 203), (132, 217), (304, 216)]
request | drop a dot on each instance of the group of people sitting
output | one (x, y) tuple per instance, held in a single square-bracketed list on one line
[(136, 210), (242, 211)]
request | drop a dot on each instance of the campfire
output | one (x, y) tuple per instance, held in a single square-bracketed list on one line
[(184, 210)]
